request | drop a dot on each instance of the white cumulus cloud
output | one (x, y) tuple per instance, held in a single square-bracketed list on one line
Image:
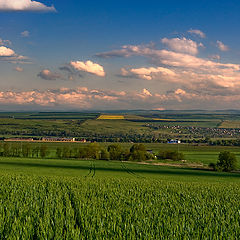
[(48, 75), (181, 45), (197, 32), (148, 73), (222, 46), (89, 67), (6, 52), (191, 71), (24, 5)]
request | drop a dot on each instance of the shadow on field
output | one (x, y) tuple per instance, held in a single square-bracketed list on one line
[(161, 170)]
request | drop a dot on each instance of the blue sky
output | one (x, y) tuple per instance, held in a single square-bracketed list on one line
[(62, 55)]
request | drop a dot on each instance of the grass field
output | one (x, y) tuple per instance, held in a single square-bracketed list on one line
[(66, 199), (116, 126), (109, 169)]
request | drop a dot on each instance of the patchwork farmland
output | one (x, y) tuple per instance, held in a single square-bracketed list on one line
[(53, 190)]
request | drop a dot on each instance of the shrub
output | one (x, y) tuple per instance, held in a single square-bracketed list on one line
[(138, 147), (212, 165), (138, 156), (172, 155)]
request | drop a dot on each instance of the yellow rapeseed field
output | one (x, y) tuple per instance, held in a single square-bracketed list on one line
[(110, 117)]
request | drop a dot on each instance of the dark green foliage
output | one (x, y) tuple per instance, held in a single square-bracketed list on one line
[(81, 153), (15, 150), (138, 156), (104, 154), (6, 150), (212, 165), (26, 150), (226, 162), (139, 153), (43, 151), (171, 155), (138, 147), (66, 152), (115, 152), (93, 151), (36, 151), (59, 152)]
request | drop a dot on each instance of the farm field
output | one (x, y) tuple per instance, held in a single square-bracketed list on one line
[(121, 126), (110, 117), (65, 199), (116, 126), (69, 198), (230, 124)]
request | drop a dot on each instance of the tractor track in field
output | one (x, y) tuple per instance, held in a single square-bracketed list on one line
[(129, 171), (92, 170)]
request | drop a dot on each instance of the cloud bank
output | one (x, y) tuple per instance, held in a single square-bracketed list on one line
[(182, 68), (84, 98), (25, 5)]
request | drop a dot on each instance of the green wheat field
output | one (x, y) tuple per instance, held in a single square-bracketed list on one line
[(73, 199)]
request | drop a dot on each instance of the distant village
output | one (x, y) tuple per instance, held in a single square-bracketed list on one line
[(44, 139)]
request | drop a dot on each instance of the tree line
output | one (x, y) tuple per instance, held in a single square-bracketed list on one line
[(115, 151), (23, 150)]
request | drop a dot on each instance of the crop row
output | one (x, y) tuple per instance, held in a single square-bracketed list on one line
[(82, 208)]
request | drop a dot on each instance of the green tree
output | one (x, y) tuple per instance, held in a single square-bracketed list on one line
[(138, 156), (104, 154), (26, 148), (172, 155), (59, 152), (16, 150), (115, 152), (6, 150), (137, 147), (226, 161), (43, 151), (93, 151), (138, 153), (36, 151), (66, 152)]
